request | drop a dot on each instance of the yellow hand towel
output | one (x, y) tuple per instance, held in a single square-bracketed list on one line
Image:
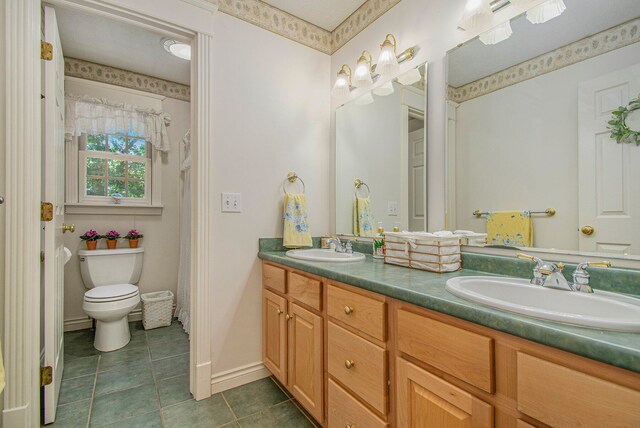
[(510, 228), (362, 217), (296, 229)]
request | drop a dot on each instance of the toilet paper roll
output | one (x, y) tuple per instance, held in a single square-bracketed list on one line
[(67, 255)]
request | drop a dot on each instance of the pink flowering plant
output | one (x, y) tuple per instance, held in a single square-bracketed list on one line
[(112, 235), (91, 235), (133, 234)]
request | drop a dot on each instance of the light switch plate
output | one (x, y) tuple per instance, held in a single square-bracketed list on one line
[(231, 202), (392, 208)]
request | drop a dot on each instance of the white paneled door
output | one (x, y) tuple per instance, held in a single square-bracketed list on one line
[(609, 172), (417, 181), (53, 191)]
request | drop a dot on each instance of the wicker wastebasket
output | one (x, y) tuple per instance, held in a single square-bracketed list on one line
[(157, 309)]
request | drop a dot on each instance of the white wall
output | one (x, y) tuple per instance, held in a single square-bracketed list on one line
[(2, 188), (432, 26), (517, 148), (161, 233), (271, 116)]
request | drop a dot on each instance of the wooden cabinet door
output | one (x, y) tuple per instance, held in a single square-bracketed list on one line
[(306, 378), (425, 400), (274, 335)]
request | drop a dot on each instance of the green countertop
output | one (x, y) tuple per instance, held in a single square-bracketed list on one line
[(426, 289)]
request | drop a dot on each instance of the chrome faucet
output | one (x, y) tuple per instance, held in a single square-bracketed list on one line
[(340, 247), (581, 276), (548, 274)]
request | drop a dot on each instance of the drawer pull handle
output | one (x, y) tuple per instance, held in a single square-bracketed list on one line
[(349, 426), (279, 311), (348, 310), (349, 364), (288, 317)]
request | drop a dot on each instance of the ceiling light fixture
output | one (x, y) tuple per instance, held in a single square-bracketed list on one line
[(497, 34), (410, 77), (477, 13), (362, 75), (546, 11), (178, 49), (388, 61), (341, 88)]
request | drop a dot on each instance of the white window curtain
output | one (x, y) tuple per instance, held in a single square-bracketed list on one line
[(184, 269), (84, 114)]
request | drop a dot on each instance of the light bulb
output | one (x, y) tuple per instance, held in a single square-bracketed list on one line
[(341, 89), (362, 74)]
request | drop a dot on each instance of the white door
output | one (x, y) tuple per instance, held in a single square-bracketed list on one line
[(53, 191), (417, 194), (609, 173)]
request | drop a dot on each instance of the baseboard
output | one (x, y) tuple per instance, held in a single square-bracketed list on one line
[(16, 417), (238, 377), (84, 323)]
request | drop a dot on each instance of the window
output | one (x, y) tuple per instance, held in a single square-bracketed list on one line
[(114, 166)]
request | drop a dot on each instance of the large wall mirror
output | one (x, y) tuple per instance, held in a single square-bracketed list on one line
[(528, 123), (381, 158)]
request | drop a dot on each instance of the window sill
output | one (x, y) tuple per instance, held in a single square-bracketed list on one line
[(112, 209)]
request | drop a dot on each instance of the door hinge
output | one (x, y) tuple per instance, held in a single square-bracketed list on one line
[(46, 51), (46, 375), (46, 211)]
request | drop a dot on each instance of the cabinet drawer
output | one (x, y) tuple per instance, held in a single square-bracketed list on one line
[(358, 364), (305, 290), (360, 312), (274, 277), (461, 353), (560, 396), (346, 411)]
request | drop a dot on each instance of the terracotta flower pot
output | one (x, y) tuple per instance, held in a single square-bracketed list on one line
[(133, 243), (111, 243), (91, 245)]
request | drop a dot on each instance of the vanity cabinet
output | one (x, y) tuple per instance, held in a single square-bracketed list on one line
[(425, 400), (355, 358), (293, 335)]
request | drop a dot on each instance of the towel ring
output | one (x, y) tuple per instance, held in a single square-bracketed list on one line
[(291, 178), (358, 185)]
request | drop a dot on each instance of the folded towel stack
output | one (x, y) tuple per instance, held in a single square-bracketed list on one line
[(296, 232)]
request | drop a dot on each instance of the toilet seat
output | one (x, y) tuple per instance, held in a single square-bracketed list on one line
[(110, 293)]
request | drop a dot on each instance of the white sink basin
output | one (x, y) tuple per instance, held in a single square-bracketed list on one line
[(601, 309), (318, 255)]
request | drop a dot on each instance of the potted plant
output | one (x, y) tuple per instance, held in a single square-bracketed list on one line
[(91, 237), (133, 237), (112, 237)]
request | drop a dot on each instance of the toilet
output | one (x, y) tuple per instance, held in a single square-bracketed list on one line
[(110, 277)]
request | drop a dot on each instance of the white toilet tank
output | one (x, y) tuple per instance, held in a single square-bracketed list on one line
[(108, 267)]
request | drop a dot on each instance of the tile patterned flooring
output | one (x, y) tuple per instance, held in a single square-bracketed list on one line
[(146, 384)]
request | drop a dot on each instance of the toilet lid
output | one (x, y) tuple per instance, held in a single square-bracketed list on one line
[(111, 292)]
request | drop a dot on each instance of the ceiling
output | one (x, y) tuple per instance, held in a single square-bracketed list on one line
[(582, 18), (326, 14), (94, 38)]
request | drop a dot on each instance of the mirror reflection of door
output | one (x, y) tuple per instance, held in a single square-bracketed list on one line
[(609, 193), (416, 170)]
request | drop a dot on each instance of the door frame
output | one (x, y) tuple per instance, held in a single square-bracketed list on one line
[(189, 20)]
